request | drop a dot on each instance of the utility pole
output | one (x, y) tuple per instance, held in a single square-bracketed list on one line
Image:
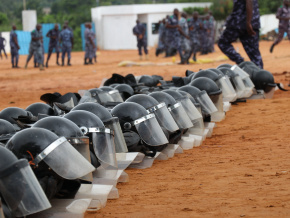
[(24, 4)]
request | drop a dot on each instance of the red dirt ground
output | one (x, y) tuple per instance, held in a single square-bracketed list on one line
[(241, 171)]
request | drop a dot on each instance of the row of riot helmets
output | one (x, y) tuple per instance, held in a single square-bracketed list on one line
[(49, 150)]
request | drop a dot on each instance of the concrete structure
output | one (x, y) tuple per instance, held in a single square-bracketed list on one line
[(269, 22), (114, 24), (6, 35), (29, 20)]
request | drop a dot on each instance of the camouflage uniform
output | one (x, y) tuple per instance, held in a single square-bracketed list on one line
[(36, 47), (236, 28), (138, 30), (283, 24), (205, 37), (194, 34), (161, 40), (184, 42), (90, 48), (53, 35), (65, 36), (2, 47), (212, 20), (14, 49)]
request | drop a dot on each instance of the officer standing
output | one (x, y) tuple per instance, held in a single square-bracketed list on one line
[(35, 47), (184, 39), (283, 14), (243, 23), (195, 27), (66, 38), (53, 35), (14, 47), (212, 20), (161, 38), (208, 34), (2, 46), (90, 44), (139, 32)]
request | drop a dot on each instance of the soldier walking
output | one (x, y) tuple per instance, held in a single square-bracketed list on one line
[(195, 27), (184, 39), (90, 44), (2, 46), (53, 35), (66, 39), (283, 14), (139, 32), (14, 47)]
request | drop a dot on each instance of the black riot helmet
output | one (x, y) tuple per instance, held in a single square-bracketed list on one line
[(225, 65), (160, 110), (148, 81), (249, 67), (125, 90), (176, 109), (208, 74), (101, 140), (108, 120), (6, 130), (263, 80), (40, 108), (134, 117), (114, 93), (19, 187), (12, 112), (101, 96)]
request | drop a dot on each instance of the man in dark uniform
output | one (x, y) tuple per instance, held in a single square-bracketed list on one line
[(139, 32), (90, 44), (2, 46), (283, 14), (35, 47), (14, 47), (243, 23), (53, 35), (66, 38), (195, 26)]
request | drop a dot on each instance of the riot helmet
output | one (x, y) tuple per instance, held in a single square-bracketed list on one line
[(147, 81), (134, 117), (101, 96), (114, 85), (125, 90), (40, 108), (264, 80), (215, 94), (160, 110), (114, 93), (19, 187), (175, 108), (12, 113), (6, 131), (109, 122), (225, 65), (101, 140)]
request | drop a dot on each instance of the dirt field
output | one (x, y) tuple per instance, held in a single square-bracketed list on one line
[(243, 170)]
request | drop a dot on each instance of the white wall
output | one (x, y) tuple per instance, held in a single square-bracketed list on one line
[(29, 20), (6, 35), (269, 22), (154, 18)]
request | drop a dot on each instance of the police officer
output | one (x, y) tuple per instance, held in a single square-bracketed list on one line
[(174, 35), (243, 23), (35, 47), (66, 38), (2, 46), (139, 32), (90, 44), (14, 47), (161, 38), (53, 35), (195, 27), (184, 39), (212, 20), (283, 14)]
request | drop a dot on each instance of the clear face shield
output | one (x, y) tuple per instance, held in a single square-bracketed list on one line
[(120, 144), (103, 97), (86, 97), (150, 131), (229, 93), (239, 87), (191, 110), (116, 96), (206, 103), (104, 147), (180, 116), (269, 91), (246, 80), (65, 160), (21, 189), (164, 117), (82, 145), (218, 102)]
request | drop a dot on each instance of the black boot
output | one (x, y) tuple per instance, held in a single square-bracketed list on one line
[(90, 61), (62, 62), (68, 62), (46, 65), (95, 58), (272, 48), (86, 63), (35, 65)]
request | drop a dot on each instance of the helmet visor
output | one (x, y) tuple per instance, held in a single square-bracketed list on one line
[(86, 97), (65, 160), (206, 102), (239, 86), (116, 96), (228, 92), (104, 97), (21, 190), (104, 147), (164, 117), (150, 131), (180, 116), (120, 144), (228, 81), (190, 109), (82, 145)]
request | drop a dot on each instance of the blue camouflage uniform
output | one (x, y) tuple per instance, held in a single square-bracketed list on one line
[(212, 20), (184, 42), (161, 39), (194, 34), (236, 28), (89, 47), (138, 30), (283, 24), (13, 49), (36, 47), (2, 46), (53, 42), (205, 36), (65, 36)]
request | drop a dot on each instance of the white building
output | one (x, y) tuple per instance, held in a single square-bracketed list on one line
[(114, 24)]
